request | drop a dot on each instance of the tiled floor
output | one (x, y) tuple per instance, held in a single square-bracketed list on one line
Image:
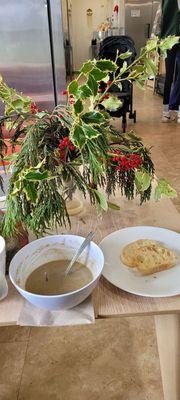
[(165, 138), (113, 359)]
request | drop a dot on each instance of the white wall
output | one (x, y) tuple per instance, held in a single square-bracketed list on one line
[(82, 26)]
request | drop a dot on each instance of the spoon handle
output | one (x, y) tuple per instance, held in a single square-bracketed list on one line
[(79, 251)]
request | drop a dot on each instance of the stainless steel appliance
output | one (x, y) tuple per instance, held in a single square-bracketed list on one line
[(31, 49), (139, 18)]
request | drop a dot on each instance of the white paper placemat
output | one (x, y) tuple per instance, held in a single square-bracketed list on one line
[(33, 316)]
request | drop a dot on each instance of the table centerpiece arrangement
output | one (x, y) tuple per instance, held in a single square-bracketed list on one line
[(75, 146)]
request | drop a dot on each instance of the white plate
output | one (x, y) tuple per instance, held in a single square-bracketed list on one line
[(161, 284)]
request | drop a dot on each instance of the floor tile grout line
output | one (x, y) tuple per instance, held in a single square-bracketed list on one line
[(20, 381)]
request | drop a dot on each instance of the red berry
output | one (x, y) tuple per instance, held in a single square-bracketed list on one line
[(33, 108), (64, 92)]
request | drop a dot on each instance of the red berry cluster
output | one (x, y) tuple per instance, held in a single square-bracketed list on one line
[(59, 116), (64, 147), (126, 162), (33, 108)]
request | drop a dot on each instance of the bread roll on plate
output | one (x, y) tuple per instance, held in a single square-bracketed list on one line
[(148, 256)]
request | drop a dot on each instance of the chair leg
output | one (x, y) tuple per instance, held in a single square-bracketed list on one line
[(124, 122)]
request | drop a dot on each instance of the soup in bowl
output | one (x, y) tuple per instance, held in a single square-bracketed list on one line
[(38, 271)]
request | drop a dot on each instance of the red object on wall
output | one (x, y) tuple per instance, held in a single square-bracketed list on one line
[(116, 8)]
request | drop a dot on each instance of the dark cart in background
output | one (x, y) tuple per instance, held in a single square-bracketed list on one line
[(108, 50)]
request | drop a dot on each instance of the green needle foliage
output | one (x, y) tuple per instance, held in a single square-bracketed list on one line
[(76, 146)]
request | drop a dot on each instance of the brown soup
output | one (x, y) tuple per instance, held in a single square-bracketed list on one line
[(49, 278)]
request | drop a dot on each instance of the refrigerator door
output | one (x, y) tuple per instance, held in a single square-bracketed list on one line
[(58, 56), (138, 21), (25, 52)]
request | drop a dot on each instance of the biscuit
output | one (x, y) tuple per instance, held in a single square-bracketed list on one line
[(148, 256), (128, 255)]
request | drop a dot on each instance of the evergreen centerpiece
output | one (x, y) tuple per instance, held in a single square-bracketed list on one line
[(76, 143)]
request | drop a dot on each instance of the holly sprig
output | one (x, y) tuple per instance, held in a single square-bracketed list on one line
[(76, 142)]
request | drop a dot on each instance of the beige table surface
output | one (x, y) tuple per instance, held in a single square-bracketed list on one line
[(110, 301)]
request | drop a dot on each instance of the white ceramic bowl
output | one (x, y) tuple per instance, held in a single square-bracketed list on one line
[(2, 256), (51, 248), (3, 282)]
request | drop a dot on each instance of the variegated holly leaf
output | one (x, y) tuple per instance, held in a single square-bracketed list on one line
[(90, 132), (78, 137), (106, 65), (142, 180), (168, 43), (93, 117), (87, 67), (113, 206), (102, 202), (78, 106), (84, 92), (92, 84), (112, 103), (99, 75), (163, 188), (125, 55), (73, 87)]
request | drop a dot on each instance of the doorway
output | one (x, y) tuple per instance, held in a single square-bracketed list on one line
[(82, 18)]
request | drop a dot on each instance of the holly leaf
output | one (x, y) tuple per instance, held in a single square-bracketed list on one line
[(93, 117), (106, 79), (152, 44), (78, 106), (124, 67), (30, 191), (99, 75), (36, 176), (78, 137), (87, 67), (16, 188), (41, 114), (90, 132), (73, 87), (9, 125), (106, 65), (85, 92), (142, 180), (112, 103), (151, 66), (92, 84), (168, 43), (163, 188), (139, 83), (113, 206), (17, 103), (138, 69), (125, 55), (119, 85), (101, 200)]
